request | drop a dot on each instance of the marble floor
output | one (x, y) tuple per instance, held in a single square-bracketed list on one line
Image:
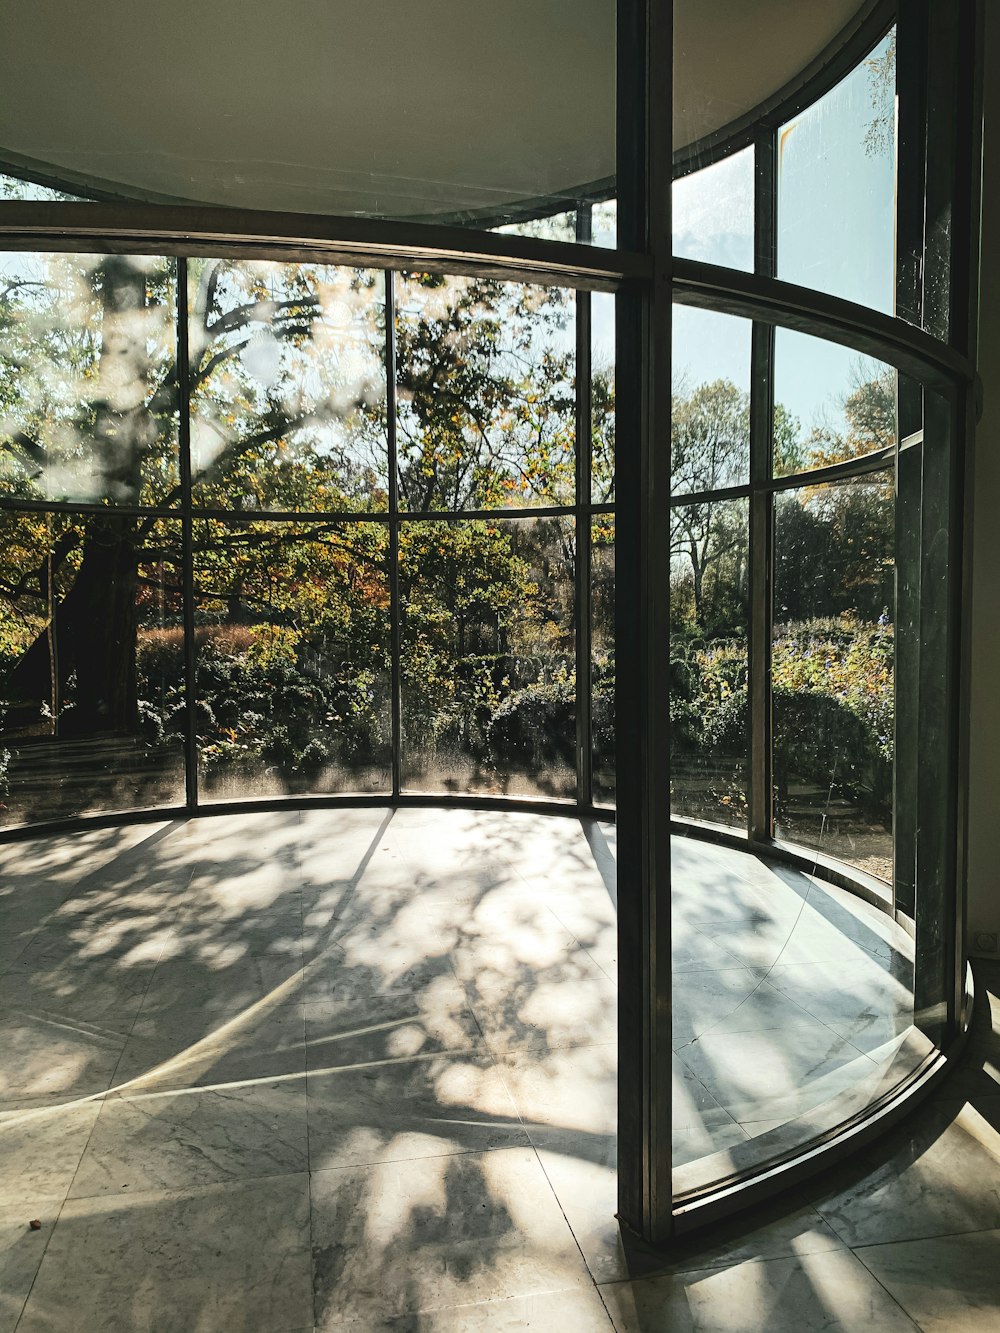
[(356, 1069)]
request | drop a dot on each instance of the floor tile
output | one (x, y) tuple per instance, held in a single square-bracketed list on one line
[(825, 1290), (215, 942), (237, 885), (352, 971), (831, 925), (169, 1141), (583, 1175), (693, 1106), (199, 1047), (41, 1144), (704, 999), (950, 1284), (66, 859), (511, 922), (781, 1228), (710, 1003), (860, 999), (233, 1257), (224, 980), (314, 987), (93, 992), (942, 1178), (46, 1054), (21, 1251), (581, 1171), (586, 1187), (716, 1133), (408, 1109), (430, 1234), (570, 1002), (768, 1074), (573, 1090), (693, 951), (577, 1309), (24, 914), (394, 1026)]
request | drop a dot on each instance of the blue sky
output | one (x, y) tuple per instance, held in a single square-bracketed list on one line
[(836, 219)]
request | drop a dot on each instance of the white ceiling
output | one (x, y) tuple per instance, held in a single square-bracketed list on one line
[(398, 108)]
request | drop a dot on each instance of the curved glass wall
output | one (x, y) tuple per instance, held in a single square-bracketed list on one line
[(792, 1002), (304, 523), (349, 533), (806, 546)]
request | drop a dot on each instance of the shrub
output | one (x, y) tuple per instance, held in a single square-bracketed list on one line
[(536, 727), (833, 704), (257, 706)]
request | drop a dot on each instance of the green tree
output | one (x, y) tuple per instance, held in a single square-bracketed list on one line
[(288, 412), (486, 394), (710, 450)]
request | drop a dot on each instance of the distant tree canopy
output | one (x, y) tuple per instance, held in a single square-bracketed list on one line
[(834, 545)]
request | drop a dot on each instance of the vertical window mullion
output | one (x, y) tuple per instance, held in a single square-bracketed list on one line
[(911, 61), (642, 622), (760, 803), (187, 535), (393, 465), (582, 572)]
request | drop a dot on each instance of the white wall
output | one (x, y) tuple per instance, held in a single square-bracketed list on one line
[(984, 757)]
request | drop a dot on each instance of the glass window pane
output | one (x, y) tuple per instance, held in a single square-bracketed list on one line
[(604, 224), (602, 398), (830, 403), (292, 633), (709, 633), (91, 665), (832, 669), (485, 387), (488, 664), (602, 647), (713, 213), (87, 375), (837, 187), (710, 401), (13, 188), (552, 227), (288, 393)]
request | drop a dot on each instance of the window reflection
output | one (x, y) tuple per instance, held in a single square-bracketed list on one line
[(713, 213), (13, 188), (287, 386), (602, 398), (88, 369), (604, 224), (602, 667)]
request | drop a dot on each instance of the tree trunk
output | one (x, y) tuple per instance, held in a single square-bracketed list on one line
[(698, 586), (92, 637), (92, 634)]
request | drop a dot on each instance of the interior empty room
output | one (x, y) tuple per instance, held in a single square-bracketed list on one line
[(499, 725)]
